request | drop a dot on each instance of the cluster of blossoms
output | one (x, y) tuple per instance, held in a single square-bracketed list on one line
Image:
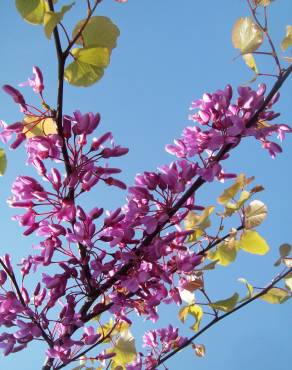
[(129, 259)]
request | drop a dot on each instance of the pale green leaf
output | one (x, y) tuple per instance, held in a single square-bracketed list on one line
[(51, 19), (3, 162), (125, 350), (198, 223), (250, 62), (32, 11), (250, 241), (82, 74), (246, 35), (97, 56), (226, 305), (224, 254), (197, 312), (249, 288), (99, 31), (287, 40), (275, 296), (231, 192), (255, 213)]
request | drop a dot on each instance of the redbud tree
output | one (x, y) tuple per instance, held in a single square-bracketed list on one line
[(96, 272)]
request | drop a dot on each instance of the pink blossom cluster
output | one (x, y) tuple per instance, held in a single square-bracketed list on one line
[(121, 260)]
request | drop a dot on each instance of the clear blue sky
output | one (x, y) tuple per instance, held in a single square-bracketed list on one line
[(169, 53)]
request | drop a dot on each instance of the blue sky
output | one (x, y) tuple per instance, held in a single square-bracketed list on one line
[(168, 54)]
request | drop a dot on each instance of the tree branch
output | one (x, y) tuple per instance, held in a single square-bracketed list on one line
[(217, 319)]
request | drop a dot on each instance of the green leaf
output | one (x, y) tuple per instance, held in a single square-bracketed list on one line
[(246, 35), (97, 56), (124, 349), (275, 296), (250, 241), (225, 305), (32, 11), (3, 162), (224, 253), (88, 66), (287, 40), (193, 310), (250, 62), (99, 31), (255, 213), (197, 312), (82, 74), (51, 19), (249, 289), (198, 223), (231, 192)]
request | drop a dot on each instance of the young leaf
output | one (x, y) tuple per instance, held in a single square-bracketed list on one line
[(250, 241), (287, 40), (32, 11), (250, 62), (200, 349), (124, 349), (224, 253), (255, 214), (285, 250), (230, 192), (3, 162), (249, 289), (225, 305), (288, 262), (99, 31), (197, 312), (275, 295), (34, 126), (88, 66), (198, 223), (246, 35), (51, 19)]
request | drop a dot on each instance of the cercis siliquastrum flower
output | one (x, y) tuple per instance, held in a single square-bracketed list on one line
[(126, 259)]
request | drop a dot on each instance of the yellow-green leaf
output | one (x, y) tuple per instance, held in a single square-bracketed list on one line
[(275, 295), (82, 74), (287, 40), (197, 312), (99, 31), (255, 213), (3, 162), (51, 19), (246, 35), (198, 223), (250, 62), (125, 350), (250, 241), (96, 56), (224, 254), (31, 10), (249, 288), (35, 126), (230, 192), (225, 305)]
